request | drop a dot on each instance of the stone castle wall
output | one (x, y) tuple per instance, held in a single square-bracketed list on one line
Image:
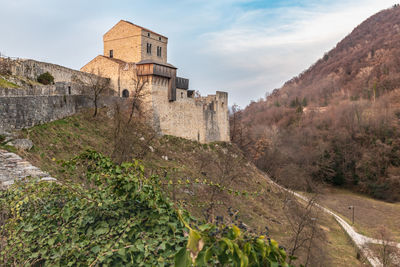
[(129, 43), (174, 110), (123, 40), (18, 112), (216, 117), (204, 119), (31, 69), (34, 104), (107, 67), (25, 110), (156, 41)]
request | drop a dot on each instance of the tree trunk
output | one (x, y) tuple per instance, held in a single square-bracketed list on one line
[(95, 106)]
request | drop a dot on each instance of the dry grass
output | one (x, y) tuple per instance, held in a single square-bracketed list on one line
[(63, 139), (341, 250), (370, 214), (6, 84)]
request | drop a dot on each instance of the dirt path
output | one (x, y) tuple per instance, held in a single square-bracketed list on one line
[(359, 240)]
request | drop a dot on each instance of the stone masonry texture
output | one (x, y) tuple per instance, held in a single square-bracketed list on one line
[(26, 111), (13, 167), (204, 119), (173, 111)]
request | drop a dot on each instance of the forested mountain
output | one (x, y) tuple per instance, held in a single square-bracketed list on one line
[(338, 121)]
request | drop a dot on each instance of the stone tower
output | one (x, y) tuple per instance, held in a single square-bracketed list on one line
[(132, 43), (134, 52)]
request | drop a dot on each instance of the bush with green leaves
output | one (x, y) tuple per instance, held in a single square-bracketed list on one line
[(115, 215), (46, 78), (223, 245)]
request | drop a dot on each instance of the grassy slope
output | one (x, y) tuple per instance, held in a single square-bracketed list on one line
[(370, 214), (6, 84), (62, 139)]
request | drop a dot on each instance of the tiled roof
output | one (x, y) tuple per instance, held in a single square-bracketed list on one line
[(145, 61), (143, 28), (150, 61), (116, 60)]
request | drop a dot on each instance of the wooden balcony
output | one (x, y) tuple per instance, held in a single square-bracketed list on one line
[(156, 69), (182, 83)]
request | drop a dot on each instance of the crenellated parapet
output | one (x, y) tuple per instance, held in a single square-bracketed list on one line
[(133, 53)]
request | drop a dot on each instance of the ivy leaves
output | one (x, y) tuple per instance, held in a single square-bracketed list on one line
[(116, 216), (223, 245)]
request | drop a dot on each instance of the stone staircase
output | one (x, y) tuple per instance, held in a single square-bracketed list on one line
[(13, 167)]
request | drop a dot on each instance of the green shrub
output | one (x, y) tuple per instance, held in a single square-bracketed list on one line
[(46, 78), (116, 216)]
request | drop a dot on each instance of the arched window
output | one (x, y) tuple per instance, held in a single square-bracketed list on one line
[(125, 93)]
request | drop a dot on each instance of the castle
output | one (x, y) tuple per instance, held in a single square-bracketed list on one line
[(133, 53)]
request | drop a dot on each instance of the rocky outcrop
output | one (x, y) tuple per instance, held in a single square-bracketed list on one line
[(22, 144)]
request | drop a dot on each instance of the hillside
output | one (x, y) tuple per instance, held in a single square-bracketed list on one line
[(364, 65), (336, 123), (208, 180)]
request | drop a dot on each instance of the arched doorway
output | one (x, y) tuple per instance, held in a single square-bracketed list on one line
[(125, 93)]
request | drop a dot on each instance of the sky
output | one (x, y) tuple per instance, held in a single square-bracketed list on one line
[(244, 47)]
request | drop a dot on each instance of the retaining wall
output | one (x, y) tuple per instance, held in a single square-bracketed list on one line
[(24, 111), (18, 112)]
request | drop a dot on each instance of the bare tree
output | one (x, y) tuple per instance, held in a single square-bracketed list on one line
[(139, 94), (132, 139), (238, 133), (225, 168), (235, 122), (303, 226), (95, 86), (387, 253)]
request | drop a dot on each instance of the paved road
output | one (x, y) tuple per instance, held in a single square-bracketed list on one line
[(13, 167), (358, 239)]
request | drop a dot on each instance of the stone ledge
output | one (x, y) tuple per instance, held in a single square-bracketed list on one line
[(13, 167)]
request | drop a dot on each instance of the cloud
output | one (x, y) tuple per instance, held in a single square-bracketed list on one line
[(245, 47), (270, 46)]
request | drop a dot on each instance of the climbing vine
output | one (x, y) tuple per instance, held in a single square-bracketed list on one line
[(115, 215)]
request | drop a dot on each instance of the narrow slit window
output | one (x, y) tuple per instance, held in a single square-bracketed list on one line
[(148, 48), (111, 53)]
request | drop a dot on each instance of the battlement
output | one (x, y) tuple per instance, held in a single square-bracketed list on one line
[(201, 118), (132, 52)]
